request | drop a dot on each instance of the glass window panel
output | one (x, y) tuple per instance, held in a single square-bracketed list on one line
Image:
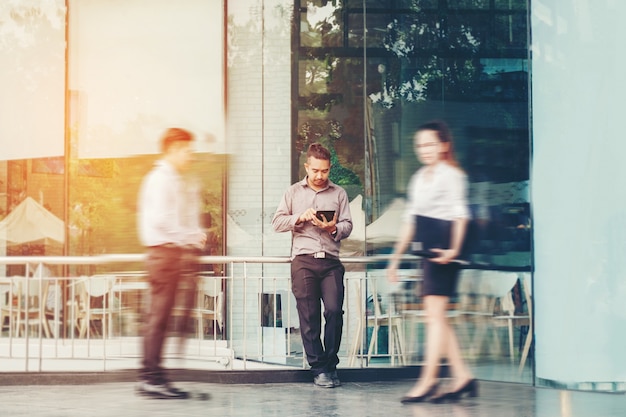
[(316, 3), (461, 79), (468, 32), (355, 30), (314, 76), (335, 119), (407, 80), (32, 116), (417, 4), (134, 72), (440, 60), (468, 4), (131, 68), (511, 4), (377, 4), (511, 31), (504, 79), (353, 4), (321, 26), (32, 79), (377, 29), (411, 34)]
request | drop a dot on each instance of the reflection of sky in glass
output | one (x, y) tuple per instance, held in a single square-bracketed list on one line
[(31, 78), (316, 14), (142, 66), (500, 65)]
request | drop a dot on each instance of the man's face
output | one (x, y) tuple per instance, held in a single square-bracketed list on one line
[(181, 154), (317, 171)]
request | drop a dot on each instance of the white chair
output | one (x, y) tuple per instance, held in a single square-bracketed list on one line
[(356, 347), (385, 318), (25, 306), (5, 302), (478, 294), (377, 319), (508, 318), (412, 319), (414, 315), (86, 313), (207, 308), (475, 306), (526, 284)]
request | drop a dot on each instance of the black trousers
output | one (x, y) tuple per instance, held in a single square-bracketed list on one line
[(172, 274), (315, 281)]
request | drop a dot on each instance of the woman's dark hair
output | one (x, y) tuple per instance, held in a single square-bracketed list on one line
[(318, 151), (445, 136)]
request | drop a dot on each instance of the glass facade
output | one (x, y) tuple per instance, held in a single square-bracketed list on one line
[(370, 72), (257, 81), (133, 71), (364, 75), (128, 73), (89, 85), (32, 78)]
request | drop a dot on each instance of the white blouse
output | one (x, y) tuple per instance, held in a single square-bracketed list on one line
[(443, 195)]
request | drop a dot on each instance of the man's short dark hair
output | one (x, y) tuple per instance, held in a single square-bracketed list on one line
[(174, 135), (318, 151)]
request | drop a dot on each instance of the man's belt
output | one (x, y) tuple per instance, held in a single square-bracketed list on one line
[(321, 255), (174, 246)]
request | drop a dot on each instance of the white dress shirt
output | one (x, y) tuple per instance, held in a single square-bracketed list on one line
[(441, 195), (307, 238), (168, 208)]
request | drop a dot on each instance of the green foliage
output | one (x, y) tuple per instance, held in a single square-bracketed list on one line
[(339, 174)]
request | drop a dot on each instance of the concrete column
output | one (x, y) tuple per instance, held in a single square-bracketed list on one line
[(579, 193)]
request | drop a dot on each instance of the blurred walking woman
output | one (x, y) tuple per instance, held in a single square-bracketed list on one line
[(438, 190)]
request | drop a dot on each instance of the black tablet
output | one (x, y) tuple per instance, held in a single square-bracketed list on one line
[(329, 214)]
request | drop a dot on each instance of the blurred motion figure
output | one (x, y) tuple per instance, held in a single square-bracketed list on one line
[(438, 190), (169, 228)]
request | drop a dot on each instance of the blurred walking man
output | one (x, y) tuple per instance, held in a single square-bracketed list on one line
[(169, 228)]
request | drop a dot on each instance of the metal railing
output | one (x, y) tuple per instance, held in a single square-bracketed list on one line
[(246, 318)]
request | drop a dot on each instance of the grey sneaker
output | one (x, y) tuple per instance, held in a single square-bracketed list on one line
[(323, 380), (335, 378)]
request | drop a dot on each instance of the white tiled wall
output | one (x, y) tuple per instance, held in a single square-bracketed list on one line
[(258, 146)]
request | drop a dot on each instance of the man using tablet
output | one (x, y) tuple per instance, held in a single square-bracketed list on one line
[(316, 272)]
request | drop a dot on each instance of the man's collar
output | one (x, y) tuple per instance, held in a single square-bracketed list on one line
[(305, 183), (165, 163)]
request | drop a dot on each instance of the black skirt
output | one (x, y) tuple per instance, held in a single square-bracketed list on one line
[(439, 279)]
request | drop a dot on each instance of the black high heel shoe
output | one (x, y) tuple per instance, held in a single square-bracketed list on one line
[(420, 398), (470, 387)]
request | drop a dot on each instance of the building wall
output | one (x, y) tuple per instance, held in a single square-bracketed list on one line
[(259, 147), (578, 203)]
